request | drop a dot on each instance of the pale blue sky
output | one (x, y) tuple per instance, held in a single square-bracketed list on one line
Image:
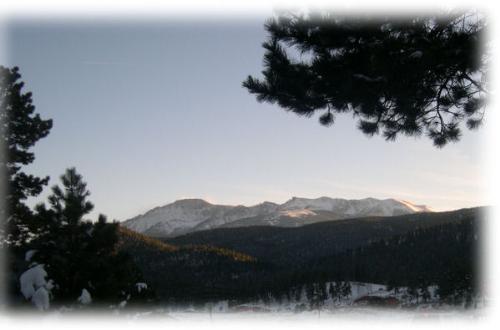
[(151, 112)]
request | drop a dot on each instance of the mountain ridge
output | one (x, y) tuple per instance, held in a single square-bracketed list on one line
[(195, 214)]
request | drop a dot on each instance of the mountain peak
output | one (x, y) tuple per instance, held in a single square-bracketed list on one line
[(193, 214), (194, 202), (266, 203)]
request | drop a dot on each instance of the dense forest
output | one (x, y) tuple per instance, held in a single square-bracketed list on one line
[(289, 246), (446, 256), (438, 249)]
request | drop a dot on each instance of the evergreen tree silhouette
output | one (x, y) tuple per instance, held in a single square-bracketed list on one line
[(79, 254), (20, 129), (414, 76)]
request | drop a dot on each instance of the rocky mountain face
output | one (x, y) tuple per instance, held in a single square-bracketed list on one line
[(190, 215)]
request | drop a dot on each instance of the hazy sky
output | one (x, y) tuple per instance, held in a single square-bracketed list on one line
[(152, 112)]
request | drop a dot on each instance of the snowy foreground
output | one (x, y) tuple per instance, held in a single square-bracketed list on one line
[(353, 308), (349, 314)]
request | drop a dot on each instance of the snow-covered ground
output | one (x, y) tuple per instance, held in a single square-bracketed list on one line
[(346, 309), (348, 314)]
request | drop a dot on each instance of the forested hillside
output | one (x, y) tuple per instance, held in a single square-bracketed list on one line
[(194, 273), (415, 252), (290, 246)]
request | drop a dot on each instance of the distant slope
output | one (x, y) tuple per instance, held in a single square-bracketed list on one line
[(130, 239), (190, 215), (133, 240), (445, 258), (190, 273), (447, 255), (242, 264), (292, 246)]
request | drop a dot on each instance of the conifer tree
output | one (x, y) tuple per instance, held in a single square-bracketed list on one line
[(20, 129), (334, 291), (346, 289), (420, 75), (309, 289), (79, 254), (331, 291), (298, 293)]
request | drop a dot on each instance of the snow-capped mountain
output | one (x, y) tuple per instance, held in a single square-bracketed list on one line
[(188, 215)]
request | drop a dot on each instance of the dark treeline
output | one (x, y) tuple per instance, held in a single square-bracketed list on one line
[(195, 273), (444, 255), (289, 246)]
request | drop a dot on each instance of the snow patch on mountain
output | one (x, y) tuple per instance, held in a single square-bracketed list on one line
[(188, 215), (297, 213), (416, 208)]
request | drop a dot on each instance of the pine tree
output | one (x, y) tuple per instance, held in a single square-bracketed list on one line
[(345, 290), (331, 290), (317, 296), (298, 293), (334, 291), (412, 291), (70, 203), (421, 75), (79, 254), (20, 129), (309, 288), (424, 292), (323, 295)]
